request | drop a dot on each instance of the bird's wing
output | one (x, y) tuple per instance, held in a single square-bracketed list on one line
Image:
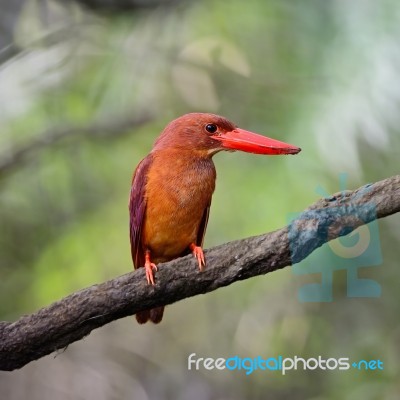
[(137, 209), (203, 226)]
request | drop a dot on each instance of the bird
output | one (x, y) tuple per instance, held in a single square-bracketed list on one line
[(172, 187)]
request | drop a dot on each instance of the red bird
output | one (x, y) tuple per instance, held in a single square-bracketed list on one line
[(172, 188)]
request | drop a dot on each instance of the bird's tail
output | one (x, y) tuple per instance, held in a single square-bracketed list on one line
[(154, 315)]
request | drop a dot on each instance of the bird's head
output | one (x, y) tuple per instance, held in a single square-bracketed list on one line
[(209, 133)]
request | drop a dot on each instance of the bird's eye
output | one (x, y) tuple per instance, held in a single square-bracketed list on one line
[(211, 128)]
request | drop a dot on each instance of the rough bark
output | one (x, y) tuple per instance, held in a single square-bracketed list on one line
[(70, 319)]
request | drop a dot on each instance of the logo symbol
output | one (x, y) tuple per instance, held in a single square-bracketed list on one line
[(358, 249)]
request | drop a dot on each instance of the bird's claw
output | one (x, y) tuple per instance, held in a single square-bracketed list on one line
[(149, 272), (149, 266), (197, 251)]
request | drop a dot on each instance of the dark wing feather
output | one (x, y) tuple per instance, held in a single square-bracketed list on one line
[(137, 209), (203, 226)]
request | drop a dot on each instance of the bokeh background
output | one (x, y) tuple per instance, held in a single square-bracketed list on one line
[(85, 88)]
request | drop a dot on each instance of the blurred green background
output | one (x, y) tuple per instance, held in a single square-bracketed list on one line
[(85, 88)]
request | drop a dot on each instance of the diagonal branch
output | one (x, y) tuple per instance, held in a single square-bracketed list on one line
[(17, 157), (70, 319)]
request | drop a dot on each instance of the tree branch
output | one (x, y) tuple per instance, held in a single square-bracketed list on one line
[(125, 5), (17, 157), (70, 319)]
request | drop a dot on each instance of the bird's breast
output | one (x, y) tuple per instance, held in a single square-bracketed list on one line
[(178, 191)]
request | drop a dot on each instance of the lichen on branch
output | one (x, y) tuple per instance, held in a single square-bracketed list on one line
[(75, 316)]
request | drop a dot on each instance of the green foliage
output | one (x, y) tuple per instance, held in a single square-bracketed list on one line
[(321, 75)]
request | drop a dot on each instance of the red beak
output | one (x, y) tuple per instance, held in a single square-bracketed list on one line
[(239, 139)]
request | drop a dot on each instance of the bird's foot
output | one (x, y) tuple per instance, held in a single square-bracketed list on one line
[(149, 266), (197, 251)]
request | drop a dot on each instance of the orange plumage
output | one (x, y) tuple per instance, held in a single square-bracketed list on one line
[(172, 189)]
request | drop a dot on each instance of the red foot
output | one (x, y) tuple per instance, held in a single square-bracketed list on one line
[(149, 266), (198, 253)]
